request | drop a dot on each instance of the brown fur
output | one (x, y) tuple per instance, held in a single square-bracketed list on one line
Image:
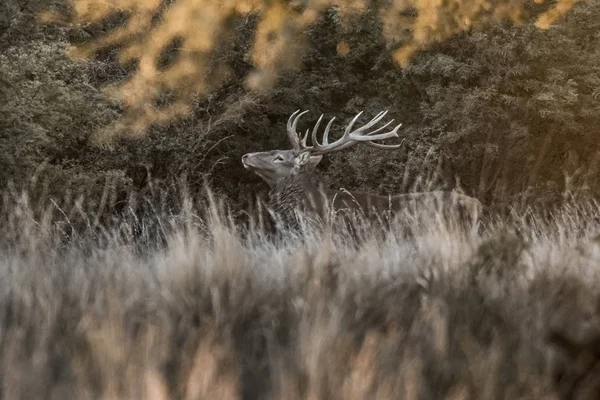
[(307, 193), (296, 186)]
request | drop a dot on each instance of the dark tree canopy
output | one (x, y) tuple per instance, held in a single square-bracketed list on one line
[(507, 112)]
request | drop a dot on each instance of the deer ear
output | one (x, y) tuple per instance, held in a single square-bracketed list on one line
[(314, 160), (302, 158)]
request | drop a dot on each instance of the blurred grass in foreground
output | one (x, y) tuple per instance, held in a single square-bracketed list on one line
[(190, 305)]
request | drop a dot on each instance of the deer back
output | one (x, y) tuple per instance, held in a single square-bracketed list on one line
[(447, 204)]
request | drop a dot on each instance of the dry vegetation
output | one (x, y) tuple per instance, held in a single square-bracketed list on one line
[(195, 307), (164, 86), (115, 283), (478, 108)]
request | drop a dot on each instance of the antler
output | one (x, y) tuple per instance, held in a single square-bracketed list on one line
[(291, 129), (350, 137)]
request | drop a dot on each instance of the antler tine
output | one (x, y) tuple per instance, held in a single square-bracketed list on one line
[(315, 129), (386, 146), (375, 145), (349, 127), (314, 138), (326, 133), (368, 138), (293, 138), (381, 128), (295, 123), (369, 124), (371, 144), (351, 137), (303, 143), (291, 128), (289, 123)]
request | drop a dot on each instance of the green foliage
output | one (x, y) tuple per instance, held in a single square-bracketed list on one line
[(518, 105), (47, 115), (177, 45), (510, 112)]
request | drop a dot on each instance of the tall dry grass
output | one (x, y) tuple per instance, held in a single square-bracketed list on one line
[(196, 307)]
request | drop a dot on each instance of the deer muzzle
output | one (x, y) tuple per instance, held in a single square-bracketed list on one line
[(245, 161)]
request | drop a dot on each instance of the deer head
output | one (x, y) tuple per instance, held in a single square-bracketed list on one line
[(272, 166)]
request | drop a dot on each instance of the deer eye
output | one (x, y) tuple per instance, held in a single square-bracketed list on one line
[(278, 158)]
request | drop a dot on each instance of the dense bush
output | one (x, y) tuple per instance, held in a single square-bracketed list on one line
[(509, 113), (183, 49)]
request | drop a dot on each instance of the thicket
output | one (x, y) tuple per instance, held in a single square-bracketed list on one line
[(508, 112)]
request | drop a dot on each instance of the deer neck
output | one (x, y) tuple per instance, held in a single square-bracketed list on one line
[(304, 191)]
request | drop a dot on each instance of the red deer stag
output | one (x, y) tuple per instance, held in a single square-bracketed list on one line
[(295, 184)]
